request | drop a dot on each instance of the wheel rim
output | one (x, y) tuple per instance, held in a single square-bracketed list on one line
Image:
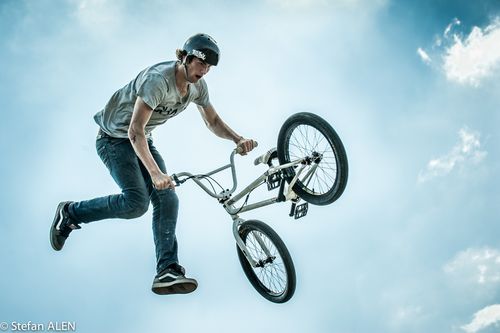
[(305, 140), (271, 271)]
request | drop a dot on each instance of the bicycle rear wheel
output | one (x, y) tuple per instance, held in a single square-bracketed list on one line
[(274, 277), (324, 177)]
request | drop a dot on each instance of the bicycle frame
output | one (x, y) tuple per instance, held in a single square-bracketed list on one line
[(229, 203)]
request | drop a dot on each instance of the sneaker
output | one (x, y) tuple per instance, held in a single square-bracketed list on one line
[(173, 281), (62, 226)]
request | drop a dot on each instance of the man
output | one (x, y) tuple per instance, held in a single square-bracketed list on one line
[(125, 145)]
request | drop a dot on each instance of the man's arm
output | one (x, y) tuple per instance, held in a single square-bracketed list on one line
[(140, 117), (221, 129)]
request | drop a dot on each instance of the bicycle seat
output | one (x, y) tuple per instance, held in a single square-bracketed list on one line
[(267, 157)]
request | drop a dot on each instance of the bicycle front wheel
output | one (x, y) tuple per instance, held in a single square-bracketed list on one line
[(324, 178), (274, 277)]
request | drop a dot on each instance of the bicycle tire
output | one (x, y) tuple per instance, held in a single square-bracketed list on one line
[(261, 278), (318, 139)]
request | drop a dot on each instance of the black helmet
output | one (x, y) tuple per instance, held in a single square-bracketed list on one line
[(204, 47)]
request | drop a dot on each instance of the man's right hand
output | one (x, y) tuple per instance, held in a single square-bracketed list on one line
[(246, 145), (162, 181)]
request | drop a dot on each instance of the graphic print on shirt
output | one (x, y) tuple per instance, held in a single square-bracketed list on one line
[(168, 111)]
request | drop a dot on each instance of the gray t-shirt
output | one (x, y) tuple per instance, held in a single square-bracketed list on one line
[(156, 86)]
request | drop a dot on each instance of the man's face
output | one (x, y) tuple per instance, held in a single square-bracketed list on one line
[(197, 69)]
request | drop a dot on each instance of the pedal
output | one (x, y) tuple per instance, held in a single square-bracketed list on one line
[(301, 210), (274, 181)]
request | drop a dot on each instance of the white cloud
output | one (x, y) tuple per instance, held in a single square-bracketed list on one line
[(474, 57), (424, 56), (485, 317), (455, 22), (477, 266), (98, 16), (467, 150)]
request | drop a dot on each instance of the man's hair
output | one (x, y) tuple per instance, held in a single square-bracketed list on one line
[(180, 54)]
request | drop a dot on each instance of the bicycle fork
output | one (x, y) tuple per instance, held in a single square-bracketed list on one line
[(236, 223)]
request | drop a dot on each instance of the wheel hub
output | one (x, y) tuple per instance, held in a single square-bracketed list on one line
[(314, 158), (268, 260), (317, 157)]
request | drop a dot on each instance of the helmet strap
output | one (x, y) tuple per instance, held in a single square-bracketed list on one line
[(185, 68)]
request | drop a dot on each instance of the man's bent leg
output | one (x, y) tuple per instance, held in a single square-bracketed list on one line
[(124, 166)]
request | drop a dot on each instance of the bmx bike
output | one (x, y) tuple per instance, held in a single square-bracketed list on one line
[(312, 166)]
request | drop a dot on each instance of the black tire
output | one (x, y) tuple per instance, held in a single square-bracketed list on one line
[(306, 134), (275, 279)]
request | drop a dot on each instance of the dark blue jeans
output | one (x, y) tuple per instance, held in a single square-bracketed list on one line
[(137, 190)]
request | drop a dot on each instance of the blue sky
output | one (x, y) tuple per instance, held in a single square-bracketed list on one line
[(410, 86)]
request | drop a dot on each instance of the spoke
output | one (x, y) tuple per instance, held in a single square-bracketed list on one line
[(297, 144), (320, 187), (301, 140), (280, 276), (322, 181), (327, 147), (329, 166), (272, 281), (322, 137), (281, 267), (277, 280), (327, 174), (306, 137)]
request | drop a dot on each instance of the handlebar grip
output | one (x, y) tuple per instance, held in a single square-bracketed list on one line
[(176, 179), (239, 150)]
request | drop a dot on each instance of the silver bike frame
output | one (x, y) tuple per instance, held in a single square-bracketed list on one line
[(229, 203)]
